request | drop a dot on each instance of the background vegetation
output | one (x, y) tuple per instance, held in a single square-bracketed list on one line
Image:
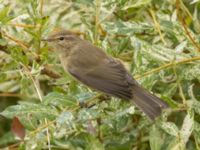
[(158, 40)]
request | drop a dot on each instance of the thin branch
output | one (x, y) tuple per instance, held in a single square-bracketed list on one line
[(185, 8), (48, 135), (37, 87), (12, 146), (181, 19), (24, 25), (41, 7), (179, 85), (50, 73), (190, 36), (10, 95), (171, 64), (137, 77), (34, 82), (157, 25), (70, 110), (97, 14), (20, 43)]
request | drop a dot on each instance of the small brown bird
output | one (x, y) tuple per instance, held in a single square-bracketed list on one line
[(94, 68)]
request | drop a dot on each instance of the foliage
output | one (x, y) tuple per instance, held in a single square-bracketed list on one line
[(158, 41)]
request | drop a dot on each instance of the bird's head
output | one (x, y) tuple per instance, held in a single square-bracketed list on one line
[(62, 40)]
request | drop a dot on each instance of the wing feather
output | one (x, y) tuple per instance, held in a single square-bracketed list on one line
[(110, 77)]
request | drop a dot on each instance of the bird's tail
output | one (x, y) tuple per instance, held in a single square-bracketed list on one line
[(150, 104)]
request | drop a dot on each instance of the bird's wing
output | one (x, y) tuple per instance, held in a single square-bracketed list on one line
[(109, 76)]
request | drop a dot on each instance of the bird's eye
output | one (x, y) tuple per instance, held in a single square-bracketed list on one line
[(61, 38)]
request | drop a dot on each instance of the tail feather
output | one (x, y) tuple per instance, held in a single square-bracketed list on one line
[(150, 104)]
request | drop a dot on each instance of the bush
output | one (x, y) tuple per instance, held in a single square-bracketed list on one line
[(158, 41)]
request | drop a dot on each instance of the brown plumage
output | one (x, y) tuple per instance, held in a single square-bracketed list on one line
[(94, 68)]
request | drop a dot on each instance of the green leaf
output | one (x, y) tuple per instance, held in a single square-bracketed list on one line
[(140, 3), (87, 114), (4, 12), (187, 127), (179, 48), (7, 138), (18, 55), (4, 18), (3, 42), (194, 1), (59, 100), (3, 77), (30, 110), (127, 28), (65, 118), (135, 43), (93, 143), (196, 106), (156, 140), (170, 128)]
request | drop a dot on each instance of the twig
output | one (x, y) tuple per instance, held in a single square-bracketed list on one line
[(179, 85), (11, 147), (190, 36), (50, 73), (181, 19), (72, 110), (38, 90), (48, 135), (54, 121), (41, 7), (167, 66), (24, 25), (10, 95), (157, 25), (20, 43), (180, 2), (97, 13), (34, 82)]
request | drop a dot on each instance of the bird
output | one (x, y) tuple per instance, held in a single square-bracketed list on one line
[(94, 68)]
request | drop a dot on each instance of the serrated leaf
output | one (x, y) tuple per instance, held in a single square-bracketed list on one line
[(187, 127), (196, 106), (161, 53), (137, 53), (59, 100), (65, 118), (87, 114), (27, 110), (170, 128), (128, 28), (137, 4), (192, 72), (179, 48), (84, 96)]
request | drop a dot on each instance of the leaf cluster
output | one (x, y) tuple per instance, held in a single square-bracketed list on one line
[(158, 41)]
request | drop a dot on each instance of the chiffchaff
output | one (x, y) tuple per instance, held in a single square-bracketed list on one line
[(94, 68)]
